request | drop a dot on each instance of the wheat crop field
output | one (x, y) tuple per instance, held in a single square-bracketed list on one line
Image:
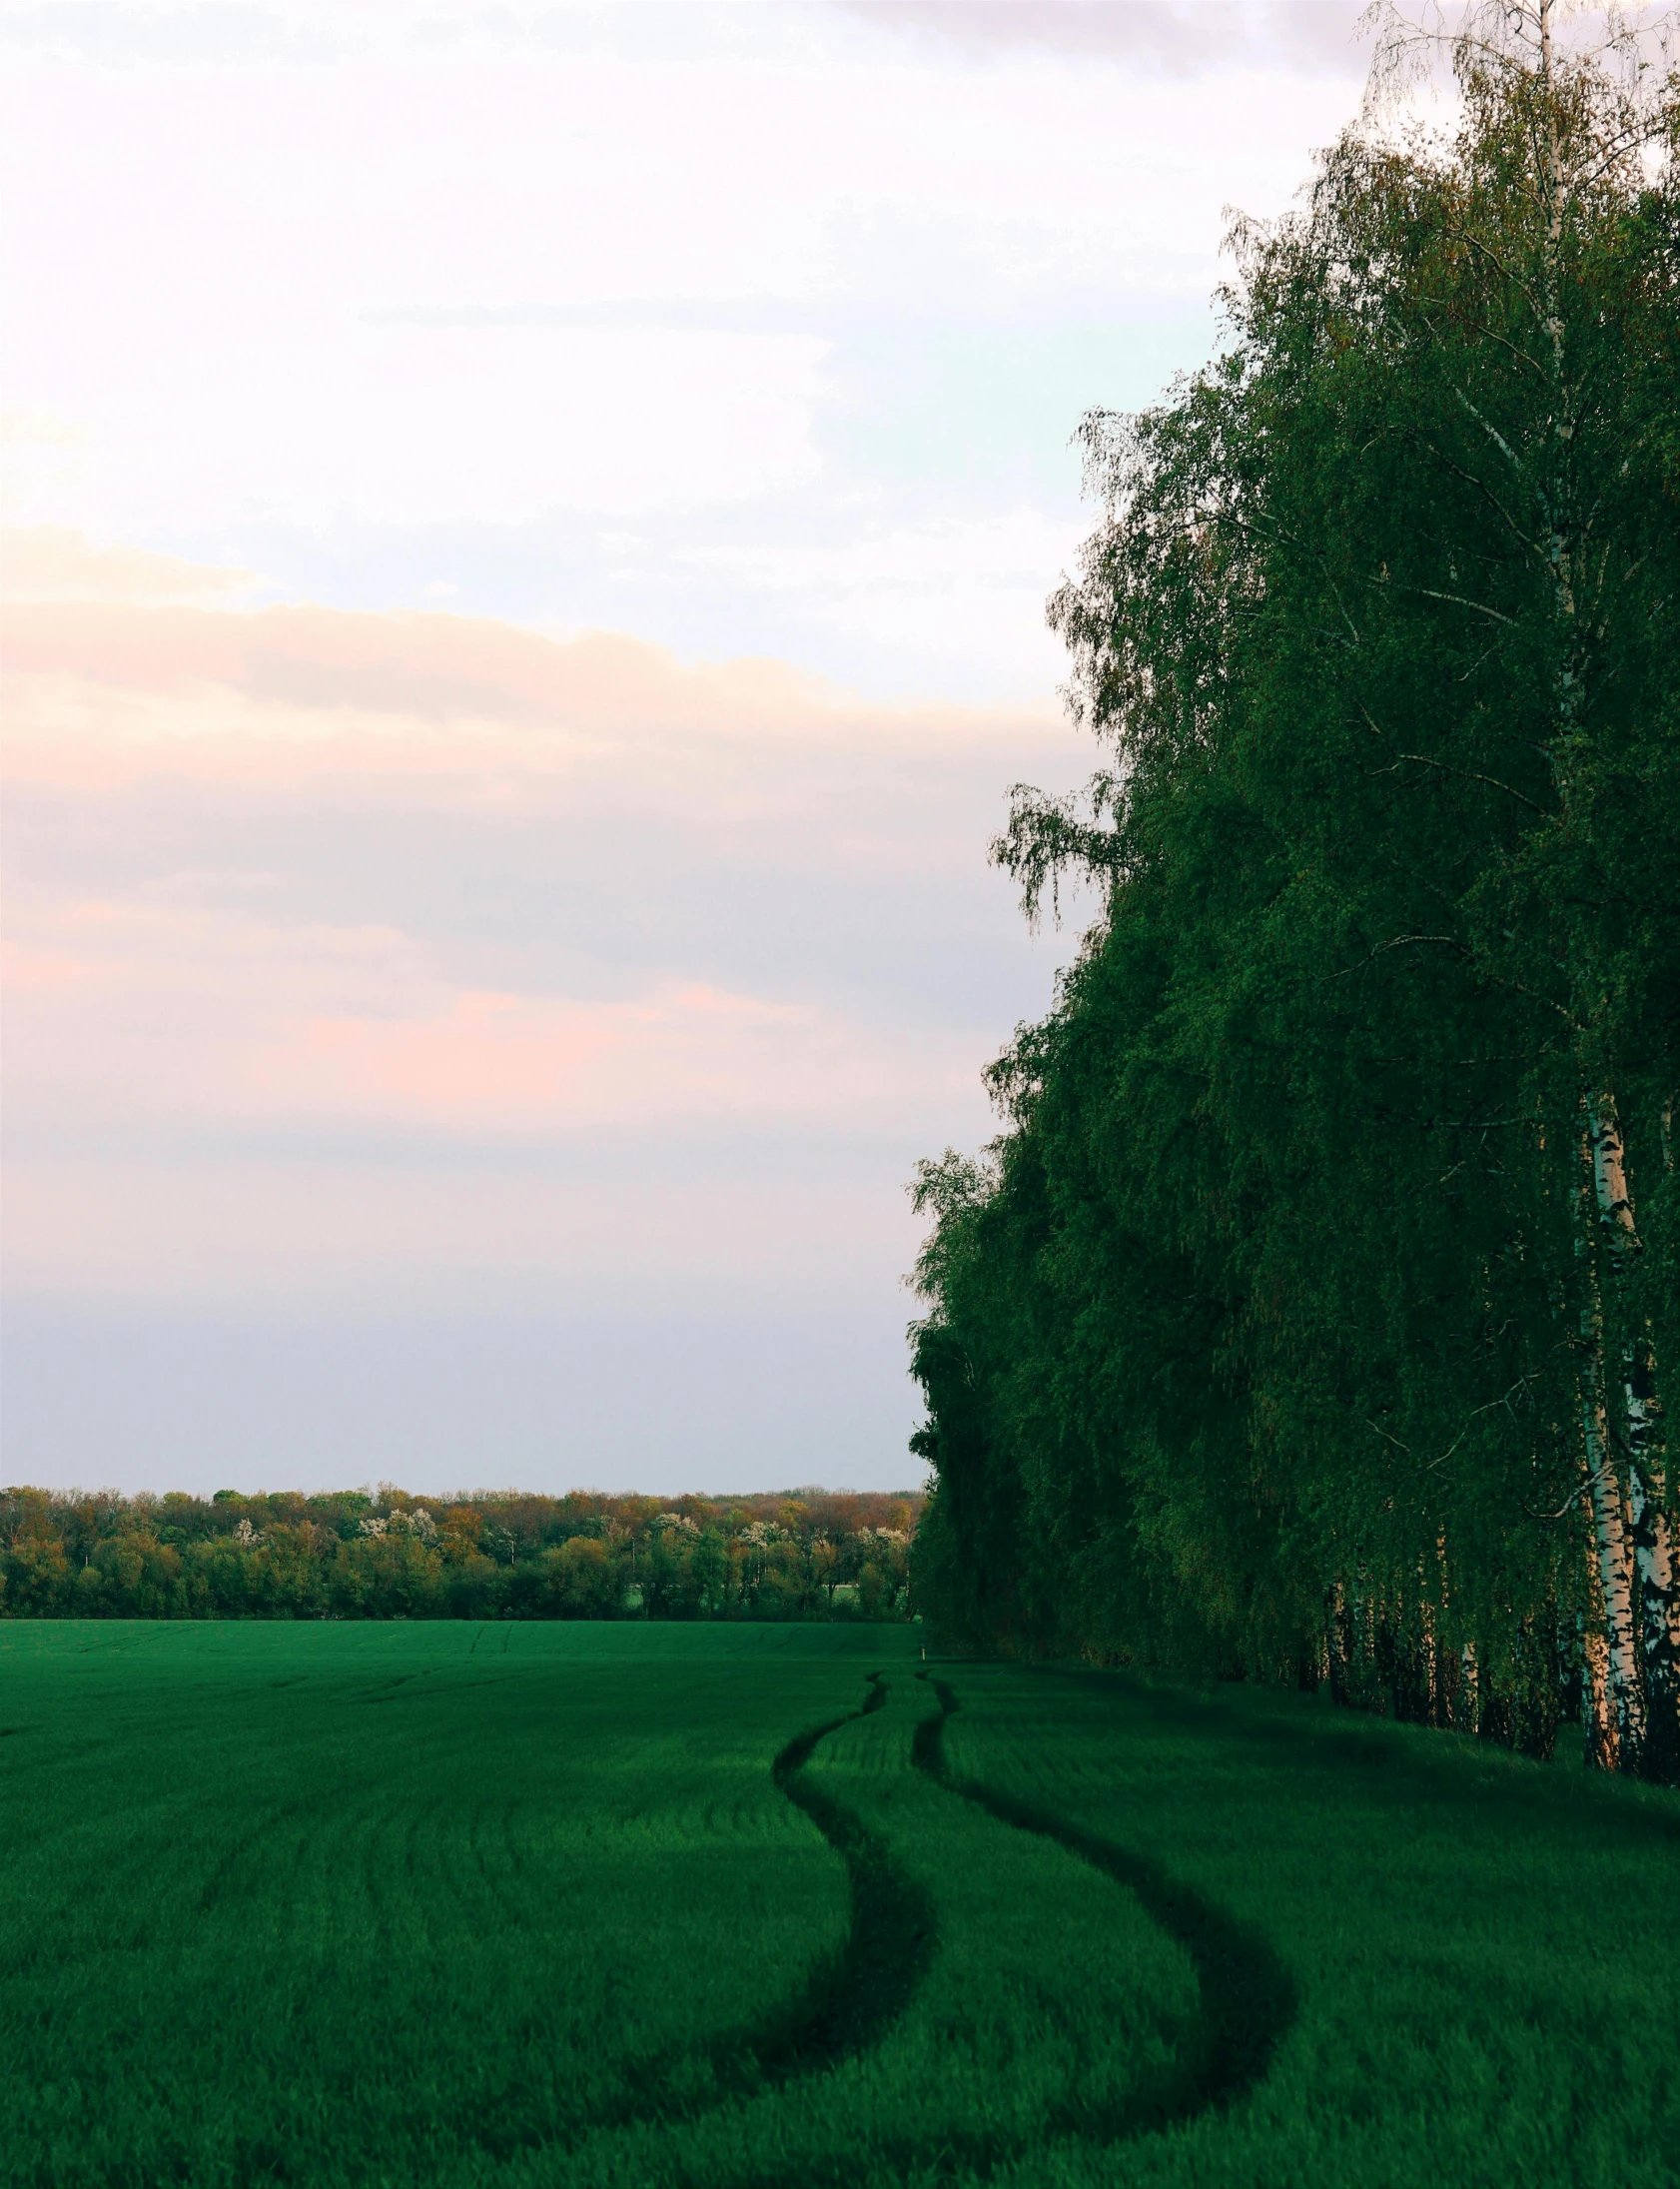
[(722, 1906)]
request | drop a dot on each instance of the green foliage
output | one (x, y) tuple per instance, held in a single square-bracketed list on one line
[(489, 1907), (346, 1555), (1258, 1343)]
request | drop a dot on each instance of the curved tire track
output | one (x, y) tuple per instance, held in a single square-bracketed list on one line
[(1248, 2002), (848, 2002), (889, 1941), (1247, 1997)]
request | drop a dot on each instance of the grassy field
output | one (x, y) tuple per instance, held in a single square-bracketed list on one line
[(742, 1907)]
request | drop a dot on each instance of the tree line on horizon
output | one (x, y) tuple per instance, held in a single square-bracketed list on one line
[(356, 1554), (1313, 1316)]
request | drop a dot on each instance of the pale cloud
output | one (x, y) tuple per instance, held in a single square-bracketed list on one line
[(244, 1235), (1013, 549), (966, 595), (31, 968), (179, 1020), (309, 673), (56, 563), (600, 314), (367, 423), (668, 1060), (1186, 38), (43, 461), (361, 959), (1179, 35), (365, 292), (434, 891)]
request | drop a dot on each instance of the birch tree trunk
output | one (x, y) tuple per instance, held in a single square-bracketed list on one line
[(1471, 1688), (1638, 1594), (1600, 1721), (1650, 1529), (1339, 1632), (1619, 1703)]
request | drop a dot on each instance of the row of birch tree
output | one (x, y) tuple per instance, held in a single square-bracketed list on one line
[(1313, 1315)]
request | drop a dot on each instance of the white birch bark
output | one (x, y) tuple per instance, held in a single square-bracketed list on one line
[(1623, 1714), (1650, 1529), (1600, 1723), (1431, 1667), (1653, 1549), (1337, 1644), (1470, 1681), (1665, 1550)]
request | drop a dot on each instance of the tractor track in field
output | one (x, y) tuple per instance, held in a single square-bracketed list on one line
[(848, 2002), (890, 1941), (1247, 1996), (851, 2000), (1247, 2003)]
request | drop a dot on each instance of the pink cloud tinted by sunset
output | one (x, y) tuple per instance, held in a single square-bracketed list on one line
[(299, 869)]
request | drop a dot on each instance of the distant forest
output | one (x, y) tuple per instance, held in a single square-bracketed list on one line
[(348, 1554), (1314, 1316)]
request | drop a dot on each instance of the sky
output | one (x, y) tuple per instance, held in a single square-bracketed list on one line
[(526, 537)]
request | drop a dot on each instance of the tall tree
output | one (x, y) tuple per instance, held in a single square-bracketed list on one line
[(1304, 1317)]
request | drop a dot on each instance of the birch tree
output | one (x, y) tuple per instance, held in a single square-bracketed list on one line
[(1315, 1309), (1560, 447)]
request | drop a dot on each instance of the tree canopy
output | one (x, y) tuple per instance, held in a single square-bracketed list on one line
[(1312, 1315), (352, 1554)]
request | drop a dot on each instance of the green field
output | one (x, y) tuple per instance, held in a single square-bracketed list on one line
[(589, 1904)]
